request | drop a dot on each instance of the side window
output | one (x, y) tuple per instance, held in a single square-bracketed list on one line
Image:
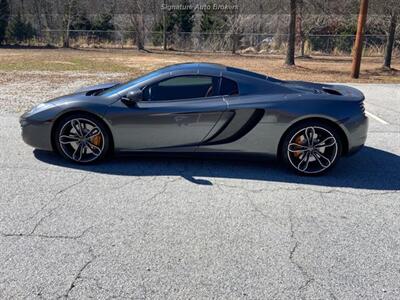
[(182, 87), (229, 87)]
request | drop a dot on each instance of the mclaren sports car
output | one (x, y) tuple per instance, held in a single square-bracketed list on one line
[(203, 107)]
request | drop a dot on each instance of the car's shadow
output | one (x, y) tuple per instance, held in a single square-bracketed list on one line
[(369, 169)]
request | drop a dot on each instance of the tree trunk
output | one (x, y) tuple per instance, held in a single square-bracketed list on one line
[(234, 43), (164, 28), (140, 33), (303, 45), (66, 36), (389, 46), (68, 25), (37, 9), (292, 35)]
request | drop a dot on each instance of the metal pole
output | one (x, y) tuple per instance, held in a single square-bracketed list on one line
[(357, 50)]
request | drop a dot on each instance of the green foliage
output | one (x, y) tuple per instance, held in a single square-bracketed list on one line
[(170, 25), (4, 18), (157, 37), (340, 36), (20, 30), (344, 41), (170, 21), (104, 22), (81, 22), (180, 20), (212, 21), (184, 18)]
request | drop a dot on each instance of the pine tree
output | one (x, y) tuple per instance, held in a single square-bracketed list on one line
[(81, 22), (4, 18), (170, 22), (212, 22), (184, 21), (19, 30), (103, 22), (185, 17)]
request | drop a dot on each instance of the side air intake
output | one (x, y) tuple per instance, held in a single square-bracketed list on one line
[(331, 91)]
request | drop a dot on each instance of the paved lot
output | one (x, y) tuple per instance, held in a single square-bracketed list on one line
[(191, 228)]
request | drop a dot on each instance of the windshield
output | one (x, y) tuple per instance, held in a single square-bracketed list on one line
[(122, 87)]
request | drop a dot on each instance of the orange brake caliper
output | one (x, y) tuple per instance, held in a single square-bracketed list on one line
[(96, 140), (297, 141)]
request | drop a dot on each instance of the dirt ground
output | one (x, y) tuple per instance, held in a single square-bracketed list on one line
[(31, 76), (131, 63)]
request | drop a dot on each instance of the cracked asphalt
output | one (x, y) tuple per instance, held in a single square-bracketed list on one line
[(179, 228)]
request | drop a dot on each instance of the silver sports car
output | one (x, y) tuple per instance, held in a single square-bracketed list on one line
[(202, 107)]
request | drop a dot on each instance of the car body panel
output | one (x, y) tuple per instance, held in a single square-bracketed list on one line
[(252, 122), (163, 124)]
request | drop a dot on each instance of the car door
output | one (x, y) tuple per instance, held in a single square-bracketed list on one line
[(175, 112)]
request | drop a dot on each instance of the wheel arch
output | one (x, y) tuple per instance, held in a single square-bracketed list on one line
[(60, 117), (343, 136)]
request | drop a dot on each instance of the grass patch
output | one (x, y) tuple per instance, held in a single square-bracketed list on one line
[(317, 68)]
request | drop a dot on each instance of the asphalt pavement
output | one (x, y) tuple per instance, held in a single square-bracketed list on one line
[(180, 228)]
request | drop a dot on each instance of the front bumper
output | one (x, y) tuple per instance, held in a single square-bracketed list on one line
[(36, 133)]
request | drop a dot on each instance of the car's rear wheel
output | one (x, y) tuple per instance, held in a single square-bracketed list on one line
[(311, 148), (82, 138)]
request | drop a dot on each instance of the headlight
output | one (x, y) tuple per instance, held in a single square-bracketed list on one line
[(39, 108)]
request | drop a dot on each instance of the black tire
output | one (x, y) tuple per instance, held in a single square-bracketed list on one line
[(82, 143), (317, 158)]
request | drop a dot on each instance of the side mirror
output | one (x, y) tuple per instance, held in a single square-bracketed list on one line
[(132, 97)]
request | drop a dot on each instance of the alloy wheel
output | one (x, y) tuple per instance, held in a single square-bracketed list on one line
[(81, 140), (312, 149)]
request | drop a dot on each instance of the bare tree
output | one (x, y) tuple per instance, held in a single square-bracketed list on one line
[(67, 20), (292, 34), (389, 45), (137, 10), (164, 27), (235, 22)]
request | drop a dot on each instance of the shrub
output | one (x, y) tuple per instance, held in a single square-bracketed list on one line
[(20, 30)]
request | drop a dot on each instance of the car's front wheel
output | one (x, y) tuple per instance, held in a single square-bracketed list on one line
[(82, 138), (311, 148)]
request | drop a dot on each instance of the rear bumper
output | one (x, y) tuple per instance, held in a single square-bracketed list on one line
[(357, 129), (36, 134)]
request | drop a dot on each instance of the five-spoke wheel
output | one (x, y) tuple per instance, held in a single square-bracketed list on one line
[(311, 148), (81, 138)]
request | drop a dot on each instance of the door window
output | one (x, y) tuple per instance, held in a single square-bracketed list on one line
[(182, 87)]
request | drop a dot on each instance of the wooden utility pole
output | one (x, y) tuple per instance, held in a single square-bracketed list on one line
[(358, 47)]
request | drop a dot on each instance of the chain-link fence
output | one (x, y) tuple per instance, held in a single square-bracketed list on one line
[(245, 43)]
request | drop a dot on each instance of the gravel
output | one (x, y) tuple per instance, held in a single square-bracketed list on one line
[(20, 91)]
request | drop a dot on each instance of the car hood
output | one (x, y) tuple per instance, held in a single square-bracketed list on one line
[(85, 94)]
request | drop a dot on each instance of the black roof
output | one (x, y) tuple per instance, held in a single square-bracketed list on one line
[(217, 68), (193, 65)]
